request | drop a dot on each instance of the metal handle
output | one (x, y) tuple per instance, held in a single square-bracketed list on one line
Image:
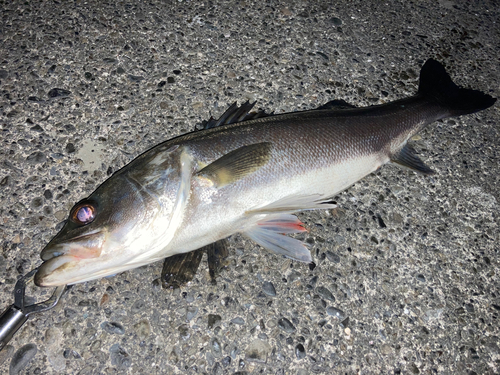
[(17, 314)]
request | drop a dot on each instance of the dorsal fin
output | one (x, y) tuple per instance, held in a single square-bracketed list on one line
[(338, 104), (235, 114)]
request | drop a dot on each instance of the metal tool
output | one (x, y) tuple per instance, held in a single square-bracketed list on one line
[(17, 314)]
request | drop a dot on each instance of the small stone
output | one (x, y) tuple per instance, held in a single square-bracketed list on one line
[(385, 349), (36, 157), (213, 320), (335, 312), (191, 312), (184, 331), (21, 358), (269, 289), (300, 351), (257, 351), (226, 361), (336, 21), (137, 307), (344, 323), (286, 325), (238, 320), (70, 148), (332, 257), (135, 78), (47, 194), (325, 293), (119, 357), (216, 348), (113, 328), (142, 329), (421, 278), (56, 92)]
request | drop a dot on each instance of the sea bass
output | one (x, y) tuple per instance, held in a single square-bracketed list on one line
[(247, 177)]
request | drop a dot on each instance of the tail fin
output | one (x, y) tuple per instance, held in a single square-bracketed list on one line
[(436, 83)]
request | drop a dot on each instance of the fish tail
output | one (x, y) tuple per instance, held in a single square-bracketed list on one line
[(436, 83)]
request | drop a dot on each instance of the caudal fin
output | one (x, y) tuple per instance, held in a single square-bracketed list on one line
[(436, 83)]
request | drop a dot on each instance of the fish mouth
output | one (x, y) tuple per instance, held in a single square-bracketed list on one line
[(65, 260), (49, 273), (86, 246)]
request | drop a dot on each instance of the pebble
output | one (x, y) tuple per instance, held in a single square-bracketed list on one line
[(213, 320), (257, 351), (286, 325), (385, 349), (269, 289), (191, 312), (142, 329), (137, 307), (36, 157), (113, 328), (56, 92), (325, 293), (300, 351), (21, 358), (421, 278), (119, 357), (332, 257), (238, 320), (216, 348), (184, 331), (335, 312)]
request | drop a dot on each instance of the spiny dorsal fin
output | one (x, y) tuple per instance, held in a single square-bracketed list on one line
[(235, 114), (237, 164), (407, 158)]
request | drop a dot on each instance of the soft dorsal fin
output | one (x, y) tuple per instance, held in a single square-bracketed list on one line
[(235, 114), (337, 104), (237, 164), (406, 157)]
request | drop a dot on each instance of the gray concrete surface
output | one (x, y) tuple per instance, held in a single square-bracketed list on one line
[(407, 276)]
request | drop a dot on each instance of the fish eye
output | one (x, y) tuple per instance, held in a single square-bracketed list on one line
[(83, 213)]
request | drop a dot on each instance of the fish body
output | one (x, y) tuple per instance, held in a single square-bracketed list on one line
[(246, 177)]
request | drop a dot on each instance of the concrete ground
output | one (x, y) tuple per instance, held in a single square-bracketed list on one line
[(407, 271)]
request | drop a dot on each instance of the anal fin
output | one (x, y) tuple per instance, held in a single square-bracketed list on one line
[(269, 233), (407, 158)]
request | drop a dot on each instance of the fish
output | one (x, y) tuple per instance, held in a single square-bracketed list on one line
[(246, 173)]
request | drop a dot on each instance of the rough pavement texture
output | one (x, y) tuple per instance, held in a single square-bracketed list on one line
[(406, 278)]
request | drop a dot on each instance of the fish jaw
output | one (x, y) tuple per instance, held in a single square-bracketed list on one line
[(87, 246)]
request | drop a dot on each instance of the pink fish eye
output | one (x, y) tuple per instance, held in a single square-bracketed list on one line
[(83, 213)]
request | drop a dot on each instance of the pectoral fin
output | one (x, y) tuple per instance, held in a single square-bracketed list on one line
[(237, 164), (406, 157)]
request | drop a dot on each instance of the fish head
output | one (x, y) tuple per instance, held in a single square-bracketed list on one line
[(122, 225)]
